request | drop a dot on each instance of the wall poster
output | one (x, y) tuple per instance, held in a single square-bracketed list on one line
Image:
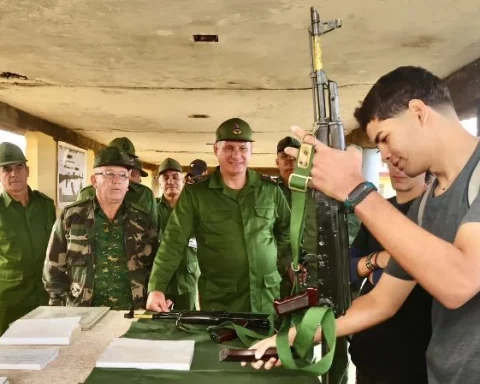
[(72, 176)]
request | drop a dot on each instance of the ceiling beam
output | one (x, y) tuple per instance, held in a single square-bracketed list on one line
[(17, 120), (464, 86)]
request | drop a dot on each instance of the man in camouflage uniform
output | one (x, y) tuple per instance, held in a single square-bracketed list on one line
[(137, 193), (182, 289), (102, 248), (241, 223), (26, 220)]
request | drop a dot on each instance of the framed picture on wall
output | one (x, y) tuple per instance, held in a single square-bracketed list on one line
[(71, 171)]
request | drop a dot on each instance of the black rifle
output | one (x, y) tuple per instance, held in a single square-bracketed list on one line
[(253, 321)]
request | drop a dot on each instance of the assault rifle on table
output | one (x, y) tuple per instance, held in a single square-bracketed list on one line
[(215, 319)]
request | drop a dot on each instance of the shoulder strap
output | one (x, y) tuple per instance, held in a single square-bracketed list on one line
[(473, 184), (423, 202)]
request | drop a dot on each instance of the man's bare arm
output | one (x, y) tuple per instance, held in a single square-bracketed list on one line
[(378, 305), (449, 272)]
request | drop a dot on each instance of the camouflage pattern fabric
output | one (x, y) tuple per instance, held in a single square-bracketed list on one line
[(69, 272), (112, 286)]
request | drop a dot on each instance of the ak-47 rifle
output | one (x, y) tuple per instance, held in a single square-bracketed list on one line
[(329, 267), (214, 319)]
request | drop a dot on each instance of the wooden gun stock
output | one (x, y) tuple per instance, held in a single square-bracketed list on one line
[(295, 303)]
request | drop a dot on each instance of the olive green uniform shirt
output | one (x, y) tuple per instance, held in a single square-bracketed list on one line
[(24, 234), (286, 191), (112, 283), (182, 289), (137, 193), (238, 233)]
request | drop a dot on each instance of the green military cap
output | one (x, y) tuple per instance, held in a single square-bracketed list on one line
[(11, 154), (234, 130), (287, 142), (124, 144), (113, 156), (169, 164), (138, 165)]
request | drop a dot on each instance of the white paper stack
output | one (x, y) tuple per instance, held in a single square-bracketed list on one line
[(40, 331), (28, 359), (90, 315), (148, 354)]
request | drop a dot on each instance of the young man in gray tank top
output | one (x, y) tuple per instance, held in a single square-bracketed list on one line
[(409, 114)]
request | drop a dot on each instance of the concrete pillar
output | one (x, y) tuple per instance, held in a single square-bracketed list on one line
[(90, 159), (41, 153), (371, 165)]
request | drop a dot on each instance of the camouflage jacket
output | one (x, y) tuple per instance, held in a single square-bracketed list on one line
[(69, 268)]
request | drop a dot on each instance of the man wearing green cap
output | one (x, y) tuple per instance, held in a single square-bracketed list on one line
[(285, 165), (26, 220), (102, 248), (240, 221), (137, 172), (137, 193), (182, 289)]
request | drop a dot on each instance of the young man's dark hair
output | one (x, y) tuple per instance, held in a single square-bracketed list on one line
[(392, 92)]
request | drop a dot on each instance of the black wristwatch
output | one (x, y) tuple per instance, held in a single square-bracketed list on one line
[(360, 192)]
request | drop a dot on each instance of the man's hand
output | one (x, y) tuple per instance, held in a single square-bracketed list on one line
[(263, 345), (156, 302), (335, 173)]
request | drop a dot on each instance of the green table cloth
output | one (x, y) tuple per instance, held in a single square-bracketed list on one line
[(205, 365)]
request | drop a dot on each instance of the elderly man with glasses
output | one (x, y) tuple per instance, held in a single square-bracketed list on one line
[(102, 248)]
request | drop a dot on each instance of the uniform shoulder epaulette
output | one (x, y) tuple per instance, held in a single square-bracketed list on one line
[(138, 207), (198, 180), (269, 178), (135, 185), (80, 202), (41, 194)]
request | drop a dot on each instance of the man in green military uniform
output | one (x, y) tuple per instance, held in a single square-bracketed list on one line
[(137, 171), (137, 193), (285, 165), (182, 289), (240, 221), (26, 220), (102, 248)]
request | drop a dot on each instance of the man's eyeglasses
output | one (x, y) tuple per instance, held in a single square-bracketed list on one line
[(111, 175)]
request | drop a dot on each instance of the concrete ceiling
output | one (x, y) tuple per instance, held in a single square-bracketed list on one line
[(109, 68)]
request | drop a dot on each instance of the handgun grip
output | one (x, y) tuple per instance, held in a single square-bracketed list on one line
[(295, 303), (247, 355)]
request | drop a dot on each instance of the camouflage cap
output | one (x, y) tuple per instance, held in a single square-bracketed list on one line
[(113, 156), (287, 142), (169, 164), (138, 165), (124, 144), (234, 130), (11, 154)]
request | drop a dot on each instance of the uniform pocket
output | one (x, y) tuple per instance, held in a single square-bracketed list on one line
[(11, 269), (266, 212), (270, 290)]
